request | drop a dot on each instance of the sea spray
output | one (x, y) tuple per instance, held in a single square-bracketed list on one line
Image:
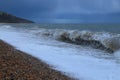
[(112, 43), (2, 26), (101, 40)]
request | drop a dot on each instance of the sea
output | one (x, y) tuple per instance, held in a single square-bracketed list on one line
[(82, 51), (114, 28)]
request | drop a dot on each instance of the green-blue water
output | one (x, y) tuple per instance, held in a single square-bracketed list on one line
[(114, 28)]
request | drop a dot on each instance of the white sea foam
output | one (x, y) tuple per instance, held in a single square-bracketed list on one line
[(117, 54), (6, 26), (64, 56), (102, 39)]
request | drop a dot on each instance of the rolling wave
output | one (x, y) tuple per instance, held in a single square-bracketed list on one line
[(109, 42), (100, 40)]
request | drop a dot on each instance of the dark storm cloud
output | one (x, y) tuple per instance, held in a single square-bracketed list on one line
[(28, 8), (59, 9), (43, 5)]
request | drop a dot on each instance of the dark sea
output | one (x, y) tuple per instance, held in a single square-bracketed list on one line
[(113, 28)]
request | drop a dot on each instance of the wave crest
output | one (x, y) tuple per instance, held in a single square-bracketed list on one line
[(101, 40)]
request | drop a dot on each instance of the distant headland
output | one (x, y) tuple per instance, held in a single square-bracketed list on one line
[(8, 18)]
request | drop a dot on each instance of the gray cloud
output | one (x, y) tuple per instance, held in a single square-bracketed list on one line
[(51, 9), (89, 6), (28, 8)]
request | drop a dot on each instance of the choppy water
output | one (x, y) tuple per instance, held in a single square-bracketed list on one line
[(99, 36), (56, 45), (114, 28)]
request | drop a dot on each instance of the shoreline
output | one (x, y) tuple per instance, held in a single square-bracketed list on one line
[(15, 64)]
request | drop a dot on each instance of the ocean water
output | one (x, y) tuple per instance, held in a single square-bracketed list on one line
[(114, 28), (100, 36), (84, 51)]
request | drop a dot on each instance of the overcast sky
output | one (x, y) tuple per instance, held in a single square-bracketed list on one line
[(38, 10)]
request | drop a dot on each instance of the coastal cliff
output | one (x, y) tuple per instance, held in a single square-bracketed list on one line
[(8, 18)]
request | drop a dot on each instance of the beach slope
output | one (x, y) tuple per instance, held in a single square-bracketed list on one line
[(16, 65)]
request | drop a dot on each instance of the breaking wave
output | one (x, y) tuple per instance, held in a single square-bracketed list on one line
[(100, 40), (107, 41), (2, 26)]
